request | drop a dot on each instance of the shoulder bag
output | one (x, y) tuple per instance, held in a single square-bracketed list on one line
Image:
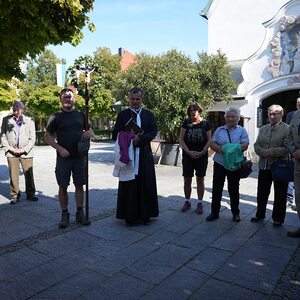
[(283, 170), (246, 164)]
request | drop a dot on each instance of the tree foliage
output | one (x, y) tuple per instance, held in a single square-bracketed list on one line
[(42, 69), (214, 76), (102, 80), (26, 27), (8, 93), (42, 101), (39, 92), (172, 81)]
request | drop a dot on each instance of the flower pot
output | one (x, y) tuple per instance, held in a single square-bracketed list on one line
[(171, 155)]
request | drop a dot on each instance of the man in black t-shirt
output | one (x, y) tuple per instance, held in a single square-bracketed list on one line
[(67, 125)]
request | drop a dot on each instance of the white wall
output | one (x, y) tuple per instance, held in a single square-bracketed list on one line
[(239, 23)]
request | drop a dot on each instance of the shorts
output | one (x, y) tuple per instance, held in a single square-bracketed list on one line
[(67, 166), (189, 165)]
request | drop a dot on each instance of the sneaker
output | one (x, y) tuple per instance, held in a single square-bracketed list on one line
[(186, 206), (212, 217), (199, 209), (80, 218), (64, 222)]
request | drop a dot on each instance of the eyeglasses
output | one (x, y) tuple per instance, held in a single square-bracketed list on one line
[(274, 113)]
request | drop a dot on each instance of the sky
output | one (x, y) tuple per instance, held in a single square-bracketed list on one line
[(151, 26)]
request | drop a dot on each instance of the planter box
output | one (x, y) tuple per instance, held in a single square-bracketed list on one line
[(171, 155)]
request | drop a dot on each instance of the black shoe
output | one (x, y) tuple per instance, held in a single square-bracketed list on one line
[(80, 218), (212, 217), (277, 224), (14, 201), (33, 198), (236, 218), (64, 222), (146, 221), (294, 234), (255, 219), (129, 223)]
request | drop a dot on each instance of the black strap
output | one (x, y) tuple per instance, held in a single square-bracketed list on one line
[(228, 135)]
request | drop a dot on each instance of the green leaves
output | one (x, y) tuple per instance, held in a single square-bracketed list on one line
[(172, 81), (8, 93), (102, 80), (27, 27)]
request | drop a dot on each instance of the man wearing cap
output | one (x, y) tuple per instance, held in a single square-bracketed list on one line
[(18, 138)]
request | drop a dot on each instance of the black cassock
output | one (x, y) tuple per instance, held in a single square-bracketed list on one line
[(137, 199)]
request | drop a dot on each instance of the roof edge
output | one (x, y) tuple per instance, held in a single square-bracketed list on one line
[(205, 10)]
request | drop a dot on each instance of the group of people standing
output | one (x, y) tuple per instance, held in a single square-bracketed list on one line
[(64, 130), (276, 140), (134, 130)]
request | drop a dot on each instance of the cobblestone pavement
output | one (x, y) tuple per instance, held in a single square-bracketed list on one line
[(178, 256)]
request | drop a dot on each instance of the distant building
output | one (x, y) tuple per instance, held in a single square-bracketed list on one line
[(261, 39), (127, 58)]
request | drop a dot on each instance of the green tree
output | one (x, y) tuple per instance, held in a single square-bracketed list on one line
[(102, 81), (8, 93), (42, 101), (27, 27), (42, 69), (172, 81), (40, 93), (214, 76)]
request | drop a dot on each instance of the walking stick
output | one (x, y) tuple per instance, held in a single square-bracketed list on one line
[(86, 127), (87, 72)]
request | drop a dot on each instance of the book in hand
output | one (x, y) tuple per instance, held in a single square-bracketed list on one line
[(132, 126)]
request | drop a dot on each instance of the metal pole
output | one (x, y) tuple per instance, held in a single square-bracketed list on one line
[(87, 72), (86, 127)]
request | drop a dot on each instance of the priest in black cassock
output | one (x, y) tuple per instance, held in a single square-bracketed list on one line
[(137, 198)]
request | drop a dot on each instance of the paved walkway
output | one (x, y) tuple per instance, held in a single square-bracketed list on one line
[(178, 256)]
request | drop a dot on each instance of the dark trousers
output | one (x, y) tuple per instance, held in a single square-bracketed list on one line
[(233, 180), (263, 192)]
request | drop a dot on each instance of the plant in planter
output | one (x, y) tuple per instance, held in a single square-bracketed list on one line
[(172, 81)]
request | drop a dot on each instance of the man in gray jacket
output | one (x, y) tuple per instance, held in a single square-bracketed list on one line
[(18, 138)]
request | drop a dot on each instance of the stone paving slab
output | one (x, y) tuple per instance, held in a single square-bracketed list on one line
[(203, 262), (161, 263), (180, 285), (121, 287), (256, 266), (178, 256), (73, 287), (218, 290)]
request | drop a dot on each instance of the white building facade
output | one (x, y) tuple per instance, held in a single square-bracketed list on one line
[(261, 39)]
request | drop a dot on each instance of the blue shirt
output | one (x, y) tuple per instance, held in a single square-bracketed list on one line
[(238, 135)]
